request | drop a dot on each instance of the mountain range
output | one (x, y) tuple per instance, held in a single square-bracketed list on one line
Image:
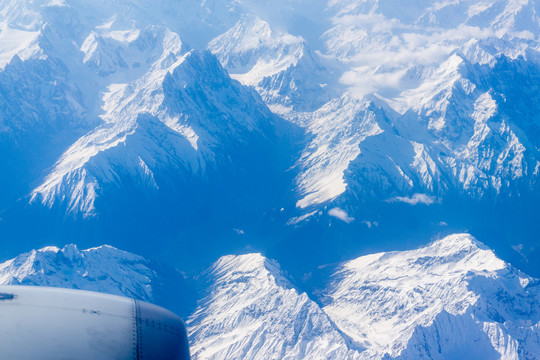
[(315, 132), (281, 115), (452, 299)]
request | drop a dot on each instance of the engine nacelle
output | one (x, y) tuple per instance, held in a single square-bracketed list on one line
[(53, 324)]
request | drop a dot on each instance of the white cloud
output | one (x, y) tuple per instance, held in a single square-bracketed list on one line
[(239, 231), (370, 224), (520, 250), (415, 199), (341, 215), (385, 48)]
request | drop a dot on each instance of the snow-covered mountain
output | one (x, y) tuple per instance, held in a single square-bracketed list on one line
[(280, 66), (439, 77), (447, 123), (453, 298), (192, 129), (179, 119), (103, 269), (252, 311), (159, 116), (396, 100)]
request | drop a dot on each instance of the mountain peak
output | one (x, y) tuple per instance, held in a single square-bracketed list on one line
[(254, 265), (275, 63), (118, 272), (434, 302), (402, 295), (251, 46), (455, 256), (46, 249), (457, 243), (251, 312), (252, 27)]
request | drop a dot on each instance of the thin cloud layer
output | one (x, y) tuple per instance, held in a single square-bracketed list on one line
[(415, 199)]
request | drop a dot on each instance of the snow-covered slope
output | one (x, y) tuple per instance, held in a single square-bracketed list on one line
[(451, 299), (106, 110), (183, 115), (338, 128), (469, 144), (434, 70), (252, 311), (446, 115), (462, 137)]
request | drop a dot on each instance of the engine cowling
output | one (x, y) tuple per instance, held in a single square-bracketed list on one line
[(54, 324)]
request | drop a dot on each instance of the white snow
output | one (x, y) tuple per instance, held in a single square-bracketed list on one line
[(396, 303), (253, 312), (338, 128), (16, 42), (280, 66), (102, 269), (452, 298)]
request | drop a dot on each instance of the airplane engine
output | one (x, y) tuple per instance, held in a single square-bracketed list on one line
[(55, 324)]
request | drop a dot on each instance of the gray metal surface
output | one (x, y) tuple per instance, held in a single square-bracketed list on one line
[(49, 323)]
